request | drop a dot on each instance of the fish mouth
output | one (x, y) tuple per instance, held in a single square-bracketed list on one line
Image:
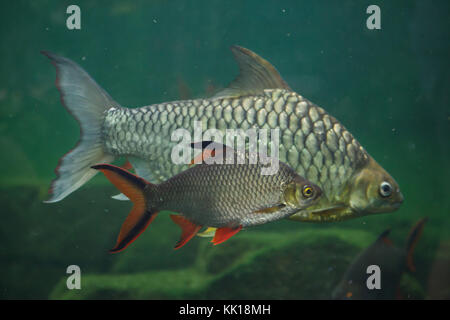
[(331, 211), (400, 200), (341, 212), (397, 205), (331, 214)]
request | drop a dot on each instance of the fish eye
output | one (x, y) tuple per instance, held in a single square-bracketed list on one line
[(385, 189), (307, 191)]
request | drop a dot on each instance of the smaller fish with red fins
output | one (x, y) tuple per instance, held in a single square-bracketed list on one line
[(228, 197), (392, 261)]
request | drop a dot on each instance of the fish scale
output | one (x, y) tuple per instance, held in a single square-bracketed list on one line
[(242, 189), (312, 142)]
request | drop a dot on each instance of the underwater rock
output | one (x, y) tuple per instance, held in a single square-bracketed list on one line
[(255, 265), (41, 240), (261, 263)]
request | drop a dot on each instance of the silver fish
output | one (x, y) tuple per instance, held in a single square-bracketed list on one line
[(313, 143), (224, 196)]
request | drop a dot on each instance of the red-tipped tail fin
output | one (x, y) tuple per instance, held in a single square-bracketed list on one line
[(140, 216), (223, 234), (188, 229), (413, 238)]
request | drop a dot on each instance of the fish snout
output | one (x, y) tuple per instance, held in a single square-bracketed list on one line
[(398, 200)]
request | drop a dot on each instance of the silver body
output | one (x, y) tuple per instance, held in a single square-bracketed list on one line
[(312, 142), (227, 195)]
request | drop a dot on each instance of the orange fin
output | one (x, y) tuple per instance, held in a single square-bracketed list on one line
[(384, 237), (136, 223), (202, 156), (209, 149), (139, 217), (413, 238), (223, 234), (127, 165), (188, 229)]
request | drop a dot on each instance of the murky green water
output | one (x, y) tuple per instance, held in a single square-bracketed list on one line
[(389, 87)]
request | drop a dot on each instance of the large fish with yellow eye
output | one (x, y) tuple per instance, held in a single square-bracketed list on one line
[(312, 142), (228, 197)]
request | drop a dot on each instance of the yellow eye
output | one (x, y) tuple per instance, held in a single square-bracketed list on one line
[(307, 191)]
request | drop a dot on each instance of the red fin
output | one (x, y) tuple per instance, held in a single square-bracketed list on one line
[(139, 217), (188, 229), (209, 149), (384, 237), (414, 236), (206, 154), (136, 223), (223, 234), (127, 165)]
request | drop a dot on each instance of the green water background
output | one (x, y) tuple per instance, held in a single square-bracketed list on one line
[(389, 87)]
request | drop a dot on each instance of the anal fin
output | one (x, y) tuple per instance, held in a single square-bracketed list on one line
[(225, 233), (188, 229)]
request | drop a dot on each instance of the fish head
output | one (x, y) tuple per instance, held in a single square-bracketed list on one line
[(373, 190), (302, 193)]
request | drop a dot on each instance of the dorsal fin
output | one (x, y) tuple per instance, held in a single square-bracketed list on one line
[(413, 238), (256, 74), (384, 237)]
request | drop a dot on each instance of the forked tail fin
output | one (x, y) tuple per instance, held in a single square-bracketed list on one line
[(87, 102), (413, 238), (140, 216)]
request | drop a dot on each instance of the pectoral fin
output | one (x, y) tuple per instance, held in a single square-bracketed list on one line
[(188, 229), (273, 209), (223, 234)]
